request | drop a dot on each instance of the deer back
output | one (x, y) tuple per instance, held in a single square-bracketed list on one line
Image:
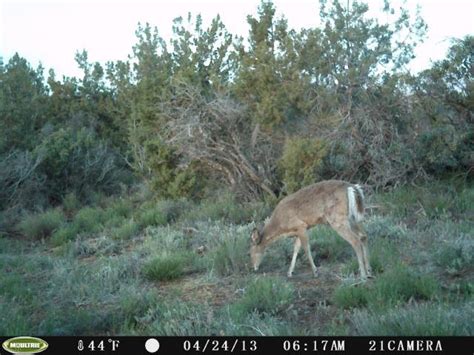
[(307, 207)]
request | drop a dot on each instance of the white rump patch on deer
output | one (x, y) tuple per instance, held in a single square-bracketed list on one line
[(351, 197), (358, 188)]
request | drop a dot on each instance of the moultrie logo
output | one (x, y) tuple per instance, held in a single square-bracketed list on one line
[(25, 345)]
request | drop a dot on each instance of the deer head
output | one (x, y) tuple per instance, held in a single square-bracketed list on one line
[(256, 248)]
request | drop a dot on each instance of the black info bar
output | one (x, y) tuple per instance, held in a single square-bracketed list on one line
[(238, 345)]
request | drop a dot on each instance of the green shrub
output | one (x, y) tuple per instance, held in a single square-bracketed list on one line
[(71, 203), (443, 148), (89, 219), (12, 320), (231, 253), (401, 202), (120, 207), (172, 209), (456, 256), (301, 162), (166, 267), (169, 179), (350, 296), (127, 230), (395, 286), (224, 206), (464, 201), (438, 200), (102, 245), (174, 318), (384, 227), (416, 320), (41, 225), (152, 217), (64, 234), (76, 160), (264, 295), (133, 305), (400, 284)]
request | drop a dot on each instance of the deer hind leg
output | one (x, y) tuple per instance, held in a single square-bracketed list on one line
[(305, 241), (365, 249), (346, 232), (296, 249)]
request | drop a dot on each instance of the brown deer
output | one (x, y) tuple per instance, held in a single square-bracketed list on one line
[(337, 203)]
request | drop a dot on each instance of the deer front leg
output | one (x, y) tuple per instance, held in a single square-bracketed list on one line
[(296, 249)]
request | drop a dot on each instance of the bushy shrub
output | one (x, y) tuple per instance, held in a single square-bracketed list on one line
[(89, 219), (397, 285), (229, 248), (434, 201), (152, 216), (127, 230), (121, 207), (301, 162), (64, 234), (400, 284), (168, 179), (102, 245), (178, 319), (444, 148), (166, 267), (231, 254), (384, 227), (172, 318), (161, 212), (350, 297), (71, 203), (21, 181), (41, 225), (264, 295), (456, 256), (224, 206), (78, 161)]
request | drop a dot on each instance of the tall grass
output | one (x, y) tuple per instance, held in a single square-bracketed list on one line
[(166, 267), (430, 319), (230, 250), (108, 277), (396, 286), (456, 256), (264, 295), (41, 225)]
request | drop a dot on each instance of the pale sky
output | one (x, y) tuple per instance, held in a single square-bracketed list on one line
[(52, 31)]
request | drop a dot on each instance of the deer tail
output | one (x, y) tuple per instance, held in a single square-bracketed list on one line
[(355, 198)]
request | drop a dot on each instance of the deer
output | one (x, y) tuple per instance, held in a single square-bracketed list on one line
[(337, 203)]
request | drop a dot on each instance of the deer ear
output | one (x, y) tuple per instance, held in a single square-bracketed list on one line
[(255, 236)]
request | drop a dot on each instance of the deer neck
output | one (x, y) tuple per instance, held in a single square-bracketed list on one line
[(270, 233)]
